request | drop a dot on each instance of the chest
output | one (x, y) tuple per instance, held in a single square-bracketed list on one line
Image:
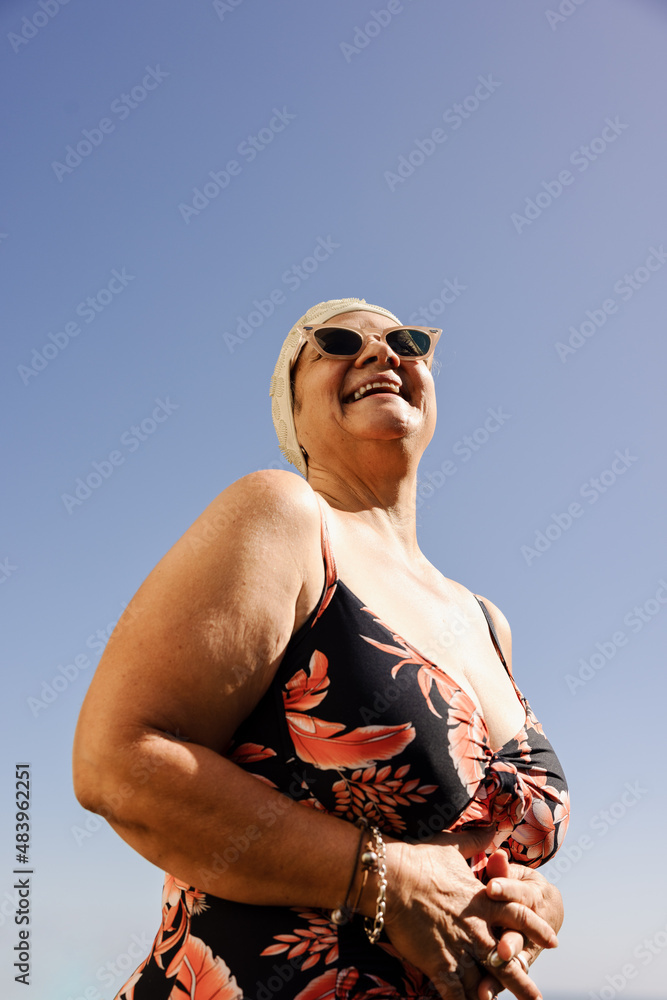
[(439, 618)]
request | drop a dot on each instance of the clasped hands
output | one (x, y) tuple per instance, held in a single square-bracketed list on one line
[(449, 925)]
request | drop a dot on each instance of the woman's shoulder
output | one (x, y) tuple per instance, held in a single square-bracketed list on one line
[(275, 491), (469, 598), (271, 502)]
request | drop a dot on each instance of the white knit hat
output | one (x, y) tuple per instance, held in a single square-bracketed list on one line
[(282, 407)]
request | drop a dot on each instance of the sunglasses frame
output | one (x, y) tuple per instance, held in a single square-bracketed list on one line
[(308, 334)]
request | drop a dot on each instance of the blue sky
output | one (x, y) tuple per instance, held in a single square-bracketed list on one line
[(499, 167)]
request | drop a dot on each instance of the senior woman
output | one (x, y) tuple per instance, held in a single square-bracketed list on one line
[(317, 734)]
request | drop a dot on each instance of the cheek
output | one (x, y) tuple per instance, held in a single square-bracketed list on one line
[(320, 380)]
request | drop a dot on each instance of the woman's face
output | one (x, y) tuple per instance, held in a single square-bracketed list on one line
[(326, 414)]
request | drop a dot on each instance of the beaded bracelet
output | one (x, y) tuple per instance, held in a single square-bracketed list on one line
[(343, 913)]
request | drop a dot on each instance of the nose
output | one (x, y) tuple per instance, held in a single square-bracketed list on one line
[(377, 349)]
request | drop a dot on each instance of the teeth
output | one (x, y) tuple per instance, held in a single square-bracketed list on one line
[(375, 385)]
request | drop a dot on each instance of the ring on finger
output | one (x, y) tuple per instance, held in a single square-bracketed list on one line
[(494, 960)]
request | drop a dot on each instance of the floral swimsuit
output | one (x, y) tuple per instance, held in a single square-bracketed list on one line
[(355, 723)]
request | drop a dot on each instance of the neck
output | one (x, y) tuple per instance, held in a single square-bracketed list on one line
[(379, 486)]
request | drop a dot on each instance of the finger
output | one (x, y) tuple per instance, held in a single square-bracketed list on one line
[(518, 917), (473, 974), (498, 866), (524, 959), (510, 944), (513, 978), (489, 988), (513, 890), (530, 952)]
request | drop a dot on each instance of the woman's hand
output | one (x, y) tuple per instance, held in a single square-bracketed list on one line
[(520, 884), (440, 918)]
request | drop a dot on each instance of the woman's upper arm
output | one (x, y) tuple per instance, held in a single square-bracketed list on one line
[(201, 639)]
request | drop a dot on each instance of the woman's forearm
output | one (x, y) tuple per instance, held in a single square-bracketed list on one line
[(213, 825)]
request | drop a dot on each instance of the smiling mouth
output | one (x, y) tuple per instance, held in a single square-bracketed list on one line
[(374, 389)]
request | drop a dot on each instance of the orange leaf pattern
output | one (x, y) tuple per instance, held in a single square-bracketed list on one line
[(323, 744), (378, 796)]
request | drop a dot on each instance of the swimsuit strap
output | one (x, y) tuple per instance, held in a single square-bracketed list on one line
[(492, 629), (327, 552), (330, 568)]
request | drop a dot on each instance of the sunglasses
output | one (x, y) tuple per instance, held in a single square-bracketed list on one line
[(343, 343)]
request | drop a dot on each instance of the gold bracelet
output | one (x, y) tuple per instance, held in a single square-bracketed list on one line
[(374, 860)]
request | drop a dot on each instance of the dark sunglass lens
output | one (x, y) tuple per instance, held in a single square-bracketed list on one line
[(338, 341), (409, 343)]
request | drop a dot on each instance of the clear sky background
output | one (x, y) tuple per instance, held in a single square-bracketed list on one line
[(181, 322)]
